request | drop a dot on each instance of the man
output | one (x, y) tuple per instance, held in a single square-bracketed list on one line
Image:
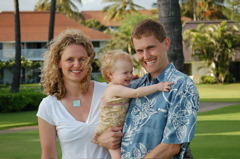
[(160, 125)]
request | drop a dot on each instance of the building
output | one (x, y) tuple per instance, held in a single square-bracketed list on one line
[(34, 37)]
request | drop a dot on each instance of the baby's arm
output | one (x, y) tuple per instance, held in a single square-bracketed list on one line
[(161, 86), (125, 92)]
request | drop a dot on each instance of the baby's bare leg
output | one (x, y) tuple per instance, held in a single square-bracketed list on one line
[(115, 154)]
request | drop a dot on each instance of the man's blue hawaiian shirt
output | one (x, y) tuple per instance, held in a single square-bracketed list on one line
[(162, 117)]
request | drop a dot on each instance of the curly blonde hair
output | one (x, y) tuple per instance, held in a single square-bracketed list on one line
[(51, 74), (108, 61)]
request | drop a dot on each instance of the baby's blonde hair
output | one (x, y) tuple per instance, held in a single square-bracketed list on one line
[(108, 60), (51, 75)]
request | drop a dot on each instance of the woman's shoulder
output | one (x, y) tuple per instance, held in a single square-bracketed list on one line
[(49, 98), (100, 84), (49, 102)]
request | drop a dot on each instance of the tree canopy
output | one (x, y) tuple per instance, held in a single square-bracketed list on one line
[(66, 7)]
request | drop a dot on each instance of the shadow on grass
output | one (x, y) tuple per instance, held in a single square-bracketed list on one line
[(217, 134)]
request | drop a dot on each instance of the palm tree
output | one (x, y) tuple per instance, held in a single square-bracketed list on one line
[(66, 7), (17, 70), (215, 45), (52, 20), (170, 18), (120, 8)]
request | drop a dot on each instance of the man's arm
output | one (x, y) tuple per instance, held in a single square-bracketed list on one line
[(164, 151), (111, 138)]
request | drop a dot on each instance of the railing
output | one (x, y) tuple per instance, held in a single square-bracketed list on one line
[(29, 54)]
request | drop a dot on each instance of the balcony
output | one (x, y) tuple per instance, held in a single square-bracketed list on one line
[(30, 54)]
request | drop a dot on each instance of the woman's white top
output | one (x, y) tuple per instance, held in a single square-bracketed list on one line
[(75, 136)]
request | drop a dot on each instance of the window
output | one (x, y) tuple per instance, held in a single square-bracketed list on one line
[(96, 43), (36, 45)]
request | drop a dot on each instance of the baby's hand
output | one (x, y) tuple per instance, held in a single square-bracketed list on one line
[(164, 86)]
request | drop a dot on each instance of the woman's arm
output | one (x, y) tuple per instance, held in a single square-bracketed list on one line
[(48, 139)]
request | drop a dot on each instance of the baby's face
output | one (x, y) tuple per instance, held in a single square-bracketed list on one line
[(122, 72)]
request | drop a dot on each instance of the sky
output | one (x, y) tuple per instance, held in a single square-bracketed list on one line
[(28, 5)]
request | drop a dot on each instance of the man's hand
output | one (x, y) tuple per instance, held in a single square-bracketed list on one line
[(111, 138)]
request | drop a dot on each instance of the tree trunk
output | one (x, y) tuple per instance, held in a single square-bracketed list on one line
[(170, 18), (17, 69), (52, 20)]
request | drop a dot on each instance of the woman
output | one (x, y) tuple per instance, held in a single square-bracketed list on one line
[(71, 109)]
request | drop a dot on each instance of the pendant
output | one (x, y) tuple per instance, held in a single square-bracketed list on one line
[(76, 103)]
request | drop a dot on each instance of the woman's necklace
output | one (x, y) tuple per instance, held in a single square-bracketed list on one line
[(76, 103)]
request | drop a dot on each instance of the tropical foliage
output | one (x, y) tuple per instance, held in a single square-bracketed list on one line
[(215, 45), (119, 8), (26, 65), (95, 24), (233, 10), (66, 7), (202, 9)]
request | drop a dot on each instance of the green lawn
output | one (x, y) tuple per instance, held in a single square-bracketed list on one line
[(9, 120), (217, 137), (21, 145), (217, 133), (24, 145), (219, 92)]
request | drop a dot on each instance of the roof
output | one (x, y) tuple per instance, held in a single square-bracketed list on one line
[(101, 17), (194, 24), (34, 26)]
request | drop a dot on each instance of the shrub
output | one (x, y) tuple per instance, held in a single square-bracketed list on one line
[(23, 101), (207, 79), (229, 78)]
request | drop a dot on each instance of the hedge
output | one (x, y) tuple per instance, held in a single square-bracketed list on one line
[(16, 102)]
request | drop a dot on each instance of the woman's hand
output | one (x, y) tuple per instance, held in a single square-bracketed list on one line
[(111, 138)]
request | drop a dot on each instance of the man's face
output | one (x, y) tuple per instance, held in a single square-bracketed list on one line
[(152, 54)]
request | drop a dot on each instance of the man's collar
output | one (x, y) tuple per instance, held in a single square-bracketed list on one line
[(161, 76)]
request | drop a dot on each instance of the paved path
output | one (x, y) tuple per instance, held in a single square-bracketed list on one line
[(202, 108)]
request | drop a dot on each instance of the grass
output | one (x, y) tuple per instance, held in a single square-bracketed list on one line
[(21, 145), (219, 92), (217, 134), (217, 137), (9, 120)]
